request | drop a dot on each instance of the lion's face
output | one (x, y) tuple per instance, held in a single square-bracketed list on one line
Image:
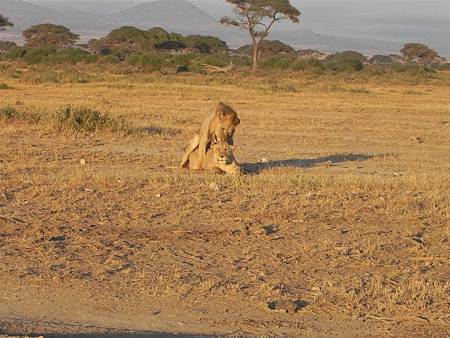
[(223, 152), (226, 128)]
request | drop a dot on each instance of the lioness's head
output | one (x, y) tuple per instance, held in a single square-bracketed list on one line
[(223, 152)]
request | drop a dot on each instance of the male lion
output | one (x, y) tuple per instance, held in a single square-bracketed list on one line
[(219, 159), (221, 124)]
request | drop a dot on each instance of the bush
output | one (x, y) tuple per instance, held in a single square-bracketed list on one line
[(49, 55), (11, 114), (86, 120), (15, 53), (112, 59), (5, 46), (69, 55), (149, 62), (279, 62), (348, 55), (217, 59), (205, 44), (413, 69), (4, 86), (312, 65), (345, 66), (152, 62)]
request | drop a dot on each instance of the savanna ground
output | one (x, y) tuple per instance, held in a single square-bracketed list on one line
[(350, 218)]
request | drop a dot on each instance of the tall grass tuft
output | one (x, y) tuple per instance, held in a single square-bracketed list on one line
[(86, 120), (12, 114)]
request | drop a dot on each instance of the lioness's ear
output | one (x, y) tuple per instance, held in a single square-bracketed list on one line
[(237, 121), (215, 140)]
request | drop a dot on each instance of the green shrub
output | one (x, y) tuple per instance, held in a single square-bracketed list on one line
[(4, 86), (217, 59), (112, 59), (312, 65), (149, 62), (345, 66), (11, 114), (152, 62), (69, 55), (15, 53), (86, 120), (35, 56), (346, 56), (413, 69), (279, 62)]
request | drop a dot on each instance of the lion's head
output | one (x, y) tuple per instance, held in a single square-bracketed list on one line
[(228, 120)]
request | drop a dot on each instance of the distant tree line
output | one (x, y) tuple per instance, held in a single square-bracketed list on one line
[(52, 44)]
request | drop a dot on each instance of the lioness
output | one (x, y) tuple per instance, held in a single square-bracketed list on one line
[(219, 158), (220, 124)]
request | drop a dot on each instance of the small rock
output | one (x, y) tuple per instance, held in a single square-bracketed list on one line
[(158, 195), (83, 161), (214, 186), (417, 139), (58, 238), (286, 306), (263, 160), (270, 229), (309, 195)]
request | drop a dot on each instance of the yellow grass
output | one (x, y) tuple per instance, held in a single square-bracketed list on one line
[(356, 192)]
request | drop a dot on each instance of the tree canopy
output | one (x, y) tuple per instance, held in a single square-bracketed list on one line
[(132, 39), (4, 22), (348, 55), (269, 48), (49, 34), (257, 17), (420, 53)]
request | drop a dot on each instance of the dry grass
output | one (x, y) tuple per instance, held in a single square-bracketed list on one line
[(356, 197)]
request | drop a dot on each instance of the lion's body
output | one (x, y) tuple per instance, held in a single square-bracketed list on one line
[(220, 124), (219, 158)]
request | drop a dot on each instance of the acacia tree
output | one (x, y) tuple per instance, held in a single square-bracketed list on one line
[(258, 17), (4, 22), (49, 34), (419, 53)]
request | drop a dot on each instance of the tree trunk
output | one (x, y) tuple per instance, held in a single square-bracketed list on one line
[(255, 56)]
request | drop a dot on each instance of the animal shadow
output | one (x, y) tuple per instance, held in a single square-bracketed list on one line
[(256, 168)]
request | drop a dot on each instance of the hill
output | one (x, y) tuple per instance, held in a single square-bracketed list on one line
[(24, 14), (179, 15)]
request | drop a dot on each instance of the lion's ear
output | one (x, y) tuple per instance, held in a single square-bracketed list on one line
[(215, 140), (237, 121)]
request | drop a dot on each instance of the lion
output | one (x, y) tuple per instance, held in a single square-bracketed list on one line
[(219, 159), (220, 124)]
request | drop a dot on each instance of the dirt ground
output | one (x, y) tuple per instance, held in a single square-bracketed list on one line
[(349, 219)]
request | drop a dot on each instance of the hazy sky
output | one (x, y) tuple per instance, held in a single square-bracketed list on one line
[(425, 21)]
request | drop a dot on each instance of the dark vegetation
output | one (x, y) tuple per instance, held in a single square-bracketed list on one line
[(156, 49), (4, 22), (69, 119)]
